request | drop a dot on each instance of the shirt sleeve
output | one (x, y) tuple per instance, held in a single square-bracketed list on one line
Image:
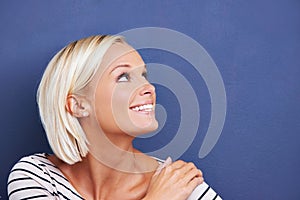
[(204, 192), (27, 180)]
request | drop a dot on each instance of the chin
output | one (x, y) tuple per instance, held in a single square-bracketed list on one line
[(149, 128), (142, 128)]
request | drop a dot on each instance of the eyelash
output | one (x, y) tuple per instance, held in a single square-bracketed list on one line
[(123, 75), (127, 76), (145, 75)]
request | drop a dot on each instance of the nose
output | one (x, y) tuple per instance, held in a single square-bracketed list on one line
[(147, 89)]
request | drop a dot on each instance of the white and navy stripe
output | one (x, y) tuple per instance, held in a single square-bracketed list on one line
[(204, 192), (35, 177)]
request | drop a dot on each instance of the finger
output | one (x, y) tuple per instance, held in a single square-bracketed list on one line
[(192, 174), (187, 167), (194, 183), (179, 169), (163, 165), (178, 164), (188, 188)]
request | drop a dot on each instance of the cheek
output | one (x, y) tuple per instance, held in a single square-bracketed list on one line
[(102, 105), (120, 108), (102, 99), (120, 100)]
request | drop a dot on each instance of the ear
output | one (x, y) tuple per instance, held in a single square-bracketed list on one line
[(77, 106)]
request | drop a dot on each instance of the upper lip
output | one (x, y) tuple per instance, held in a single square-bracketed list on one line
[(142, 103)]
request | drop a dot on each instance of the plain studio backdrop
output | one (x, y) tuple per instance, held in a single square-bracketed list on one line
[(255, 45)]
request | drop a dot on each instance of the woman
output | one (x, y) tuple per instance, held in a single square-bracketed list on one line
[(94, 98)]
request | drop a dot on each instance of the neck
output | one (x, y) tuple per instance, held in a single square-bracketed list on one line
[(101, 180), (111, 164), (114, 149), (118, 154), (95, 178)]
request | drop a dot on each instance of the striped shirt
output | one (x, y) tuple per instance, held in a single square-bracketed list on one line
[(36, 177)]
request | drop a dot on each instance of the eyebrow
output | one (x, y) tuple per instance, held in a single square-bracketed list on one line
[(122, 66)]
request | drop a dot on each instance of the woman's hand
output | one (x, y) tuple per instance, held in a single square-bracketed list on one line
[(176, 181)]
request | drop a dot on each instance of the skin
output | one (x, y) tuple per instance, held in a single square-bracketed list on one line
[(106, 107)]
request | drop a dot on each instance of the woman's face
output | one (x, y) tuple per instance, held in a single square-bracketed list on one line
[(124, 99)]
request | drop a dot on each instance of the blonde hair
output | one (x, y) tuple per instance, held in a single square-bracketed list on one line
[(68, 72)]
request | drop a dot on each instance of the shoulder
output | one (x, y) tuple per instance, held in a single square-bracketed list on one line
[(33, 166), (37, 160), (29, 175), (36, 165), (37, 175)]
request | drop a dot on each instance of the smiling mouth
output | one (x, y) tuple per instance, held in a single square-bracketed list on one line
[(143, 108)]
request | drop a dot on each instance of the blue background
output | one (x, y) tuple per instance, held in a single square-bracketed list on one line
[(255, 44)]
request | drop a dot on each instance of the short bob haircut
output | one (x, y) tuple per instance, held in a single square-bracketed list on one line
[(68, 72)]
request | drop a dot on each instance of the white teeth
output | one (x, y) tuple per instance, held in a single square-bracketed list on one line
[(146, 107)]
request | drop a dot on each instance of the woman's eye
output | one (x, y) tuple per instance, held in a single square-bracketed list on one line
[(124, 77)]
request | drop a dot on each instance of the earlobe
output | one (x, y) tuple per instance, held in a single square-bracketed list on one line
[(85, 114), (77, 106)]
